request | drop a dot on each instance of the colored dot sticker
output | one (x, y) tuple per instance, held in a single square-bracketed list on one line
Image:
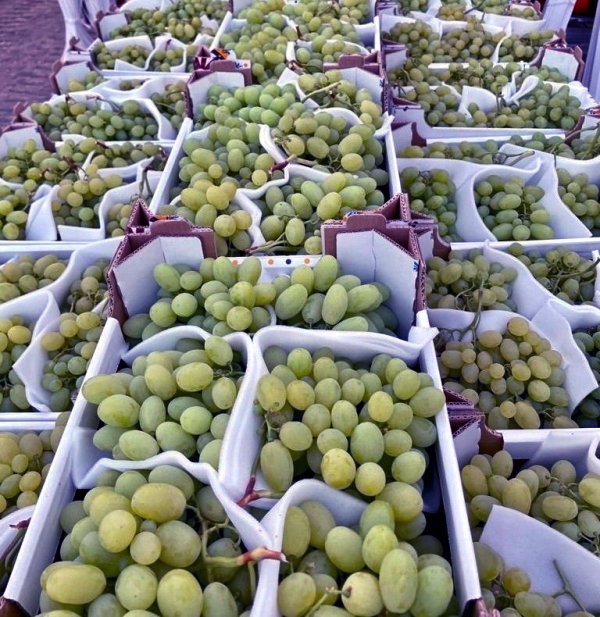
[(270, 261), (307, 260), (288, 261), (234, 262)]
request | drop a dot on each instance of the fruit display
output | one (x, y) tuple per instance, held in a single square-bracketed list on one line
[(203, 453)]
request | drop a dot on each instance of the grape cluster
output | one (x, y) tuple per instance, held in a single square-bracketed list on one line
[(117, 219), (181, 19), (15, 336), (366, 570), (260, 104), (293, 214), (514, 377), (469, 283), (69, 349), (32, 165), (115, 156), (440, 105), (120, 123), (26, 274), (358, 428), (223, 298), (517, 48), (322, 50), (14, 212), (331, 90), (417, 36), (452, 11), (582, 198), (586, 414), (567, 274), (171, 103), (512, 210), (557, 495), (77, 203), (89, 81), (486, 154), (129, 84), (320, 17), (405, 7), (165, 59), (328, 143), (432, 193), (153, 540), (470, 42), (263, 39), (509, 589), (105, 58), (25, 460), (89, 291), (178, 400)]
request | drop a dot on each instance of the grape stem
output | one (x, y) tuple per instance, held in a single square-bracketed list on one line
[(330, 591), (319, 90), (567, 587)]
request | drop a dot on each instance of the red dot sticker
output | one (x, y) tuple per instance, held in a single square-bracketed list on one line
[(307, 260)]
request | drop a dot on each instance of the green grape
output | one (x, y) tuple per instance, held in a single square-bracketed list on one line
[(344, 548)]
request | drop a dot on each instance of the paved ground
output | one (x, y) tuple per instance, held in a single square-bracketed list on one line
[(31, 38)]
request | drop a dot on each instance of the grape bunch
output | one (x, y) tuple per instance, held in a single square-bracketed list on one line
[(293, 214), (512, 210), (541, 108), (405, 7), (331, 90), (517, 48), (469, 283), (366, 570), (514, 377), (358, 428), (262, 104), (582, 198), (263, 39), (105, 58), (567, 274), (15, 336), (586, 414), (440, 105), (26, 274), (14, 212), (152, 540), (509, 589), (122, 155), (462, 44), (328, 143), (556, 495), (77, 203), (228, 155), (89, 81), (545, 73), (69, 350), (121, 122), (417, 36), (25, 460), (432, 193), (181, 19), (118, 219), (222, 298), (452, 11), (320, 17), (311, 59), (88, 291), (486, 153), (164, 60), (178, 400), (129, 84), (32, 165), (171, 103)]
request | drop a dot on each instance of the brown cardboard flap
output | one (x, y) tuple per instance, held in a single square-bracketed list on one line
[(10, 608), (490, 441)]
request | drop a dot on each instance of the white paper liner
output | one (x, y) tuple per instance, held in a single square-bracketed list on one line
[(242, 442), (549, 323)]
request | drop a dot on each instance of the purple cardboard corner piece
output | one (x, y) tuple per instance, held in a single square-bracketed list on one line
[(133, 245), (10, 608)]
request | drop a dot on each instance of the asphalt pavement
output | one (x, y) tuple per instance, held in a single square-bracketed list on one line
[(32, 35)]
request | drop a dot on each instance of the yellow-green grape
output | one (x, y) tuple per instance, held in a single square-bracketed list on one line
[(363, 596), (26, 274), (296, 594), (399, 580), (377, 543), (296, 533)]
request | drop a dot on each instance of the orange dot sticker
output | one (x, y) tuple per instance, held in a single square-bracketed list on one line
[(307, 260), (270, 261), (234, 262)]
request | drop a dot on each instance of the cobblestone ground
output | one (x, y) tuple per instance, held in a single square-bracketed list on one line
[(31, 38)]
